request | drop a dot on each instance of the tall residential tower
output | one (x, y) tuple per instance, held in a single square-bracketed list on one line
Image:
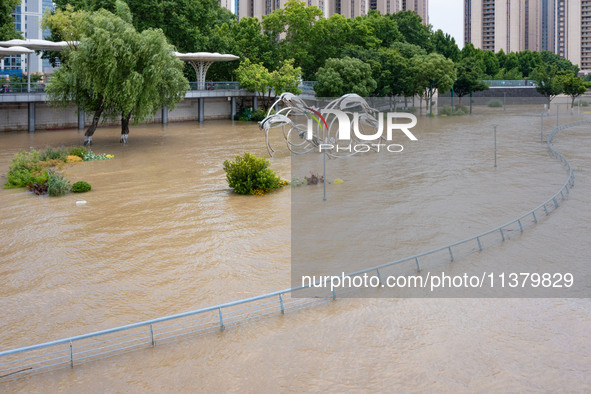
[(348, 8), (559, 26)]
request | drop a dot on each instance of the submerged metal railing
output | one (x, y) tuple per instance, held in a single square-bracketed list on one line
[(101, 344)]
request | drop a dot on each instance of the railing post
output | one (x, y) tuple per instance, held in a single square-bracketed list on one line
[(495, 126), (451, 256), (418, 266), (221, 319), (151, 335), (334, 295), (542, 128), (479, 244), (520, 226), (502, 234), (281, 303), (534, 215), (379, 276), (71, 355), (555, 203), (545, 209)]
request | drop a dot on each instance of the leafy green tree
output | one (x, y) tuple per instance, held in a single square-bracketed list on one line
[(7, 27), (245, 39), (295, 23), (433, 73), (385, 28), (491, 64), (256, 78), (548, 81), (343, 76), (561, 63), (115, 71), (502, 57), (469, 51), (186, 23), (469, 73), (446, 45), (408, 50), (390, 70), (511, 61), (528, 61), (510, 75), (573, 86), (414, 32)]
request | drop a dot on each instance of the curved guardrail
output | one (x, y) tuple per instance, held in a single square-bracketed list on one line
[(101, 344)]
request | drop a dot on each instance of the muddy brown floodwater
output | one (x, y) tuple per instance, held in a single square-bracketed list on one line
[(161, 233)]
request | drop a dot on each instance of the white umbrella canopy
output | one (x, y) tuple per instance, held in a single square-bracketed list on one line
[(201, 62), (16, 50), (38, 45), (205, 56)]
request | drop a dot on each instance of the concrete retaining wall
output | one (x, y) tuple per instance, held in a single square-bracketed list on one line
[(14, 116)]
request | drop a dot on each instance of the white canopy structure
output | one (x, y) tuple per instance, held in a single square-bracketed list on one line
[(13, 51), (39, 45), (31, 46), (201, 62)]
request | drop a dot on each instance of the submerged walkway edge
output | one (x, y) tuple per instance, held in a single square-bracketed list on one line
[(101, 344)]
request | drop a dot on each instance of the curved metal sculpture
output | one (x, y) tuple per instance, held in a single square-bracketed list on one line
[(305, 128)]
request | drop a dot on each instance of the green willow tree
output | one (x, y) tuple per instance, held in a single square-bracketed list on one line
[(115, 71)]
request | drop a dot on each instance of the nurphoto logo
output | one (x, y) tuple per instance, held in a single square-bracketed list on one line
[(360, 123)]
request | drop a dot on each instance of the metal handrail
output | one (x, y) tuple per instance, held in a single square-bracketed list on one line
[(509, 82), (216, 320), (216, 85), (19, 87)]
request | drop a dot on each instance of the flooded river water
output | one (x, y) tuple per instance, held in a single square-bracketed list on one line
[(161, 233)]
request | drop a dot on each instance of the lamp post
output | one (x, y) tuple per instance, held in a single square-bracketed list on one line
[(495, 126), (431, 100)]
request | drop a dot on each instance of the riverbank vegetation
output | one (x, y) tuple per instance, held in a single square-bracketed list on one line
[(39, 171), (249, 174)]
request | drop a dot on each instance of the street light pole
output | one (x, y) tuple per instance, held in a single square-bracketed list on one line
[(495, 126), (431, 100)]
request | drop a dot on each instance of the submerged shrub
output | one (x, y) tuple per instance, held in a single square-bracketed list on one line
[(54, 154), (495, 103), (78, 151), (57, 184), (81, 187), (248, 173), (445, 111), (73, 159), (24, 170), (258, 115), (24, 178), (90, 156), (39, 189)]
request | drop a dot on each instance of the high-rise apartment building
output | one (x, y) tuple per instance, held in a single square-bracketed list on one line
[(348, 8), (27, 20), (559, 26)]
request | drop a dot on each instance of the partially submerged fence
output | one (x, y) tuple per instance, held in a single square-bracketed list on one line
[(102, 344)]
